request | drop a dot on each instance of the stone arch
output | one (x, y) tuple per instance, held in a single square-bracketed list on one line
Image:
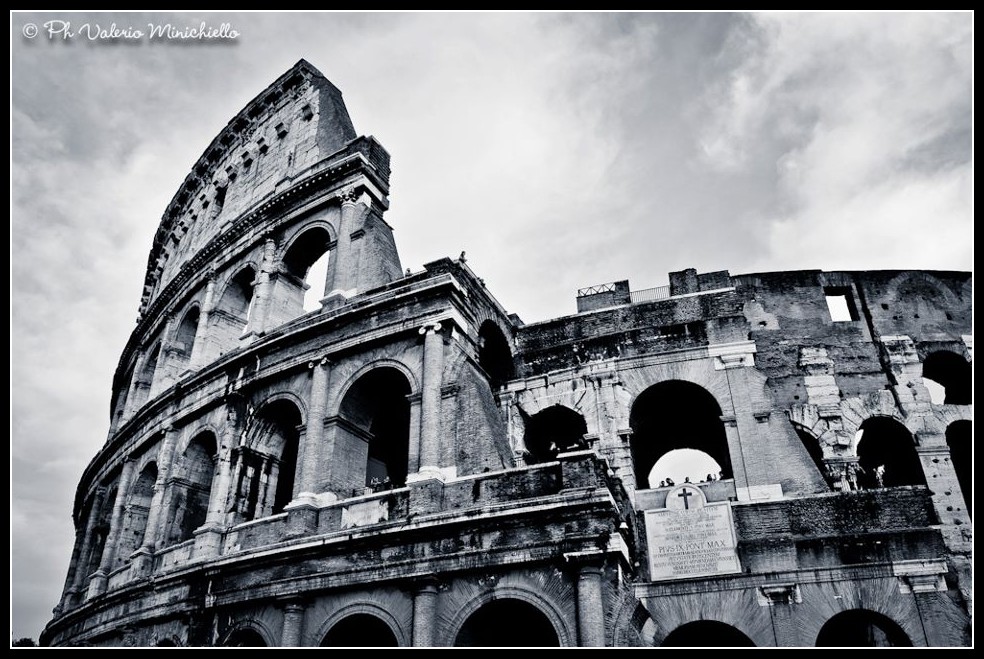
[(288, 396), (862, 628), (231, 315), (183, 341), (959, 438), (677, 415), (266, 462), (246, 632), (144, 377), (707, 633), (553, 430), (307, 252), (191, 486), (952, 372), (565, 636), (334, 406), (359, 611), (812, 445), (886, 452), (494, 354), (372, 430), (136, 511)]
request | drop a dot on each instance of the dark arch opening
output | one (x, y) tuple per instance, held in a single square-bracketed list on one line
[(268, 461), (494, 355), (812, 446), (245, 638), (166, 643), (360, 630), (675, 415), (137, 510), (306, 260), (230, 318), (958, 438), (192, 489), (374, 436), (707, 633), (184, 338), (485, 627), (551, 431), (862, 628), (953, 373), (887, 455)]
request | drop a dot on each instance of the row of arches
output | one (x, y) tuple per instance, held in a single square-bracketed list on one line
[(484, 628), (299, 285)]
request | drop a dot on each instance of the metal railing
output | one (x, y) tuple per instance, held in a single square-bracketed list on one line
[(650, 294)]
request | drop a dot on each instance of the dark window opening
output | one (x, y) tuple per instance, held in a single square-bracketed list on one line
[(266, 465), (951, 372), (862, 628), (887, 455), (706, 633), (494, 355), (360, 630), (307, 261), (484, 627), (551, 431)]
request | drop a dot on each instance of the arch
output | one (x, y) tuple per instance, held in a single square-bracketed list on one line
[(812, 445), (145, 376), (484, 628), (557, 618), (374, 430), (136, 511), (953, 373), (305, 262), (676, 414), (267, 461), (245, 637), (706, 633), (192, 488), (494, 355), (551, 431), (371, 609), (958, 438), (887, 454), (360, 630), (862, 628), (230, 316), (184, 336)]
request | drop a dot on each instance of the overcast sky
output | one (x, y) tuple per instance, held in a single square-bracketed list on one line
[(559, 151)]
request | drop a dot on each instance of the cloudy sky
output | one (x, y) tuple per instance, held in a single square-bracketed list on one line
[(558, 150)]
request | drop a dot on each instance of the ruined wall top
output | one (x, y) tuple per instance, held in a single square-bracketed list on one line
[(292, 125)]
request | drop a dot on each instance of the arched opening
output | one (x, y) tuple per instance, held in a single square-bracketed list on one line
[(266, 464), (192, 488), (373, 436), (184, 339), (812, 446), (245, 638), (122, 397), (485, 627), (230, 317), (676, 415), (306, 264), (708, 634), (494, 355), (862, 628), (145, 377), (136, 510), (887, 455), (551, 431), (166, 643), (951, 373), (958, 439), (360, 630)]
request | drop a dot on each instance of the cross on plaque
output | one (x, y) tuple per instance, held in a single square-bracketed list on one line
[(686, 494)]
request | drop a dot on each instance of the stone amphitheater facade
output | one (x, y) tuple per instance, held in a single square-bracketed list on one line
[(409, 464)]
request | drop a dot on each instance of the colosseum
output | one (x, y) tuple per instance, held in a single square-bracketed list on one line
[(311, 446)]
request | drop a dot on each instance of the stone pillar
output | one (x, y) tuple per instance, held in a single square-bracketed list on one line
[(130, 408), (430, 402), (198, 350), (97, 584), (425, 614), (310, 451), (293, 622), (590, 607), (344, 269), (262, 290), (164, 371), (302, 512), (143, 560), (780, 598), (85, 551), (208, 538)]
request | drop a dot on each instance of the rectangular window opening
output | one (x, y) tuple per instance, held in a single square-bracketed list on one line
[(840, 303)]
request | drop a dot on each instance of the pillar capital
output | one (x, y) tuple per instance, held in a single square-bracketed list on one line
[(432, 327)]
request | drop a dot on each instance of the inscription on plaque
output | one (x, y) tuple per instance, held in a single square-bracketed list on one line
[(690, 538)]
